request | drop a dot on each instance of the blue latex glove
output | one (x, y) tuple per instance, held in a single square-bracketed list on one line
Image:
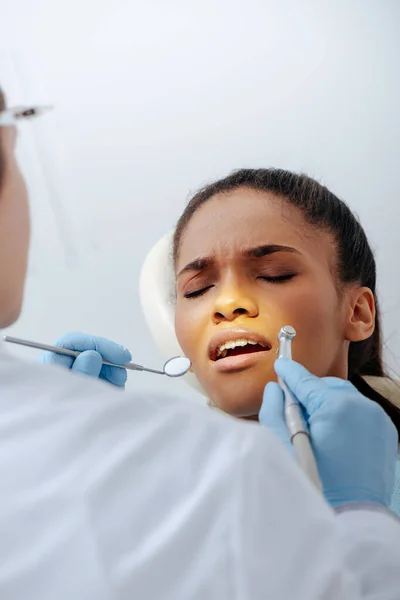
[(354, 441), (93, 349)]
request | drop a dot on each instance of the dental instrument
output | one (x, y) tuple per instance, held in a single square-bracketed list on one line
[(11, 116), (174, 367), (299, 435)]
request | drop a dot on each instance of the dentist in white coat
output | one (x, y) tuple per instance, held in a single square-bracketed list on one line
[(110, 496)]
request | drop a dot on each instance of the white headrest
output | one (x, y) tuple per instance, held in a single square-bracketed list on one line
[(157, 290)]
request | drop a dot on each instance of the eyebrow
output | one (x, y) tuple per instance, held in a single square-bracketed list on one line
[(199, 264)]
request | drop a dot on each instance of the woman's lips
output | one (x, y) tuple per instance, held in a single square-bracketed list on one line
[(239, 362), (222, 336)]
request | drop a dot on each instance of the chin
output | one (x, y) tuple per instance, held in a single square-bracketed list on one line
[(243, 408), (239, 394)]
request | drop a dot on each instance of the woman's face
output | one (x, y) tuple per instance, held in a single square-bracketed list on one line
[(248, 264)]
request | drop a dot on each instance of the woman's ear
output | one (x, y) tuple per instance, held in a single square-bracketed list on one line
[(360, 323)]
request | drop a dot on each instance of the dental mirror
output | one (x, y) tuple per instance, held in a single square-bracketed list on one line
[(177, 366)]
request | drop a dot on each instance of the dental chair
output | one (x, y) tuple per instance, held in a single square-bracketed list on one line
[(157, 295)]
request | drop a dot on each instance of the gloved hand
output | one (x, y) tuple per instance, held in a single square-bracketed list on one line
[(354, 441), (93, 349)]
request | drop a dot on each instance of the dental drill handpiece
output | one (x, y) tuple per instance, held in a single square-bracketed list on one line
[(299, 435)]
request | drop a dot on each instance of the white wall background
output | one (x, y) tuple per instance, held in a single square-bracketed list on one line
[(155, 98)]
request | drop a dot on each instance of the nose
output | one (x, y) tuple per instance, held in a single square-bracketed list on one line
[(231, 304)]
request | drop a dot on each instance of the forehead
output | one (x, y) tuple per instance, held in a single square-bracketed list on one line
[(243, 218)]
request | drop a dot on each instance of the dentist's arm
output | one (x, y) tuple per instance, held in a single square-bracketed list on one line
[(355, 445)]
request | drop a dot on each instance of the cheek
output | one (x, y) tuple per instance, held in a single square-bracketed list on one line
[(311, 306), (190, 326), (315, 313)]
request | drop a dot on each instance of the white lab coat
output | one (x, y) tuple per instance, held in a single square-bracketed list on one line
[(111, 496)]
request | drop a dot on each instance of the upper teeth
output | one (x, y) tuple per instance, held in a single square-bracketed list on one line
[(233, 344)]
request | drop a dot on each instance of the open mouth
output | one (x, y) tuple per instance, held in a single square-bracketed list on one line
[(238, 348)]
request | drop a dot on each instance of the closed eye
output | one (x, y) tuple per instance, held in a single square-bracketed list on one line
[(277, 278), (267, 278), (197, 293)]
